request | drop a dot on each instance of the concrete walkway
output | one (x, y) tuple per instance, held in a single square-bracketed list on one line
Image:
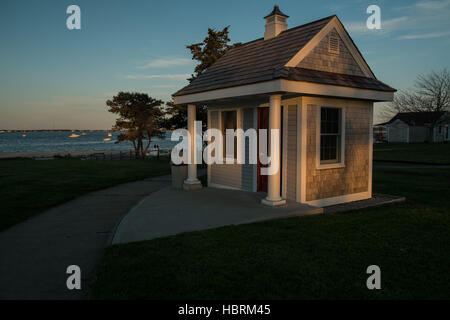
[(35, 254), (168, 211)]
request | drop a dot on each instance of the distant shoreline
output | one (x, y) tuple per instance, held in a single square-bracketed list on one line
[(62, 130), (56, 130), (71, 153), (51, 154)]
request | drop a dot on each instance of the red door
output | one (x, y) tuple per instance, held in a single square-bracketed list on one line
[(263, 123)]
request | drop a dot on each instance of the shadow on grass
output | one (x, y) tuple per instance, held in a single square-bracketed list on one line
[(29, 187), (314, 257)]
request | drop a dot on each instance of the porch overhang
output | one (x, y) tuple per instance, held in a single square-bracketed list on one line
[(284, 86)]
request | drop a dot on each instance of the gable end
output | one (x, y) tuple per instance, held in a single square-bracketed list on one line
[(331, 55), (354, 57)]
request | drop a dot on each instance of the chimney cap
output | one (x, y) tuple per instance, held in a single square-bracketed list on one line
[(276, 11)]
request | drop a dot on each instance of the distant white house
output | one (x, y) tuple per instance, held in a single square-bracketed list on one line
[(410, 127)]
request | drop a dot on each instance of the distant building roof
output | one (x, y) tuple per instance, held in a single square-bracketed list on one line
[(264, 60), (417, 118)]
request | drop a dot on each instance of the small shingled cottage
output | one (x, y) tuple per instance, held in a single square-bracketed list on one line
[(313, 84), (411, 127)]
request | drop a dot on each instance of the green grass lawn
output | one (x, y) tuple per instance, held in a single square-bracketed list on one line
[(28, 187), (322, 256), (428, 152)]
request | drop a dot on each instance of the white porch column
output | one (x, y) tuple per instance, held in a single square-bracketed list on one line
[(273, 184), (192, 183)]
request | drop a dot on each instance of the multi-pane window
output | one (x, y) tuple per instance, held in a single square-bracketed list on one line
[(330, 135), (229, 121)]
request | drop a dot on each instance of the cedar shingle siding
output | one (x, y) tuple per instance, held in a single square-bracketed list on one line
[(354, 177), (233, 175), (291, 145), (321, 59)]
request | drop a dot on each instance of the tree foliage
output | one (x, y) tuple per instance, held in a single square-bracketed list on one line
[(214, 46), (140, 116), (176, 116), (431, 93)]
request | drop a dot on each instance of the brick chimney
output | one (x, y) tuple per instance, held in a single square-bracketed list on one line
[(275, 23)]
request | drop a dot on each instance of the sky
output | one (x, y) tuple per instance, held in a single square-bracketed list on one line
[(53, 77)]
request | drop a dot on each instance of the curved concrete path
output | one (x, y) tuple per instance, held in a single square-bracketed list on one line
[(35, 254), (168, 212)]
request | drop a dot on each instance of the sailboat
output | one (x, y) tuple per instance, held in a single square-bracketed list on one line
[(24, 134)]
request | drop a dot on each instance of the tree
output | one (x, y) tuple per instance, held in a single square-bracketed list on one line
[(431, 93), (140, 115), (214, 46), (176, 116)]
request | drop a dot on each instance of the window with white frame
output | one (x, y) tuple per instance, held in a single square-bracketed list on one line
[(229, 121), (330, 135)]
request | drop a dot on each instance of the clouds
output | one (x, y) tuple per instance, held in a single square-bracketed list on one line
[(425, 36), (433, 5), (419, 20), (387, 25), (166, 63), (176, 76), (162, 76), (393, 23), (170, 63)]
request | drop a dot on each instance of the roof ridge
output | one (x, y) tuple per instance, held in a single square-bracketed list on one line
[(305, 24), (285, 31)]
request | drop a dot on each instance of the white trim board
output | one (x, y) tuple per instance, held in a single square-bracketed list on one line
[(283, 175), (326, 90), (255, 166), (288, 86), (369, 186), (208, 170), (301, 150), (334, 23), (340, 199)]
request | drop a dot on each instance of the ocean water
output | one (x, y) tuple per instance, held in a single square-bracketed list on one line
[(60, 141)]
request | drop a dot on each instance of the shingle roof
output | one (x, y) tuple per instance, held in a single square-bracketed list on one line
[(417, 118), (276, 10), (339, 79), (263, 60)]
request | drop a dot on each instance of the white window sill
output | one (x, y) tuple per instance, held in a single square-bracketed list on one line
[(330, 166)]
